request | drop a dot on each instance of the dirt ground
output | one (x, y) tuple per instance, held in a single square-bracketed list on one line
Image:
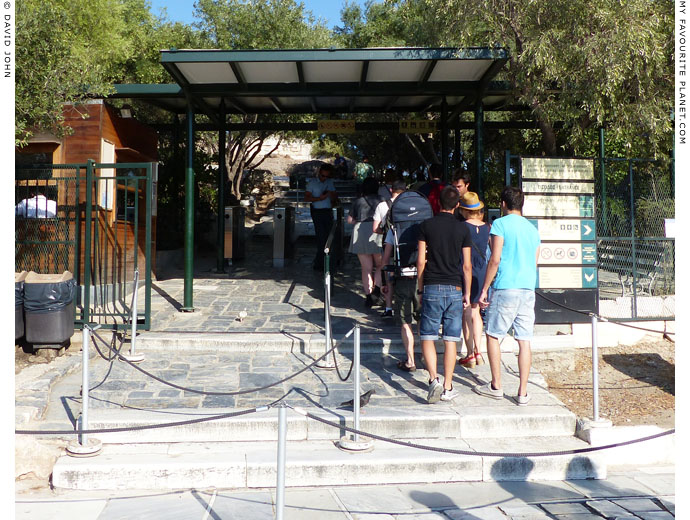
[(636, 382)]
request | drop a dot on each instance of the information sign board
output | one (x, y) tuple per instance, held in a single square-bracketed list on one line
[(567, 277), (562, 229), (417, 126), (575, 253), (554, 169), (558, 206), (336, 126), (557, 187)]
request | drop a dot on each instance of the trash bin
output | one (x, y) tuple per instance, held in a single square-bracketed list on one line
[(19, 304), (49, 307), (234, 233)]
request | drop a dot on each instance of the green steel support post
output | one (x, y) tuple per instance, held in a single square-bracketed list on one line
[(632, 238), (444, 139), (86, 302), (479, 144), (457, 144), (508, 176), (220, 267), (147, 246), (602, 168), (188, 305)]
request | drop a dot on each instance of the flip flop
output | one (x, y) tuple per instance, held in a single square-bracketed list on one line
[(402, 365)]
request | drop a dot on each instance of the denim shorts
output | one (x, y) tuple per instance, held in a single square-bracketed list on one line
[(511, 307), (441, 305)]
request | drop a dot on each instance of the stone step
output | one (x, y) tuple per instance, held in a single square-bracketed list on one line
[(320, 463), (473, 418)]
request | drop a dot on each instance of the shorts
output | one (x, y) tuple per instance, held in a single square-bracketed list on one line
[(405, 302), (511, 307), (441, 304)]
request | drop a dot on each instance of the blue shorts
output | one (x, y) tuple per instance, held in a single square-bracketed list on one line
[(511, 307), (441, 304)]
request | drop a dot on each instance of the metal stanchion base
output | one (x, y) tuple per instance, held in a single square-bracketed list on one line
[(133, 358), (326, 363), (90, 449), (187, 309), (349, 444)]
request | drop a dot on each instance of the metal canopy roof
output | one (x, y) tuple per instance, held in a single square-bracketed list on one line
[(326, 81)]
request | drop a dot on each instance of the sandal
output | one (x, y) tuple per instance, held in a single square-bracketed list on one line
[(469, 361), (402, 365), (478, 358)]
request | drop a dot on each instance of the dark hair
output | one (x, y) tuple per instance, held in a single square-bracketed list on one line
[(513, 197), (449, 198), (370, 186), (390, 176), (327, 167), (399, 185), (435, 171), (462, 174)]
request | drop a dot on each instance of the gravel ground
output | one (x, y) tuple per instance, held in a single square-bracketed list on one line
[(636, 382)]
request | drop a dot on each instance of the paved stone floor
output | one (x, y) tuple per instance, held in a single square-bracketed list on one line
[(630, 493)]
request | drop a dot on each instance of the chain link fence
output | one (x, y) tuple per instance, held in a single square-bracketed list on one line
[(635, 198)]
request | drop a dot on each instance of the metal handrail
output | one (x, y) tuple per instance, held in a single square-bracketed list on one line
[(331, 235)]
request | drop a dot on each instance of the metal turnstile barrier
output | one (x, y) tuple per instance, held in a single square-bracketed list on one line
[(283, 235), (234, 233)]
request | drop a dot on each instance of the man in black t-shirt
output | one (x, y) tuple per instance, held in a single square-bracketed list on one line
[(444, 266)]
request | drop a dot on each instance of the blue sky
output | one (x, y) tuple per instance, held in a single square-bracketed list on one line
[(182, 10)]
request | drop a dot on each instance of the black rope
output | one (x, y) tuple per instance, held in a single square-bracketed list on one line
[(238, 392), (143, 427), (480, 453), (599, 317), (335, 357)]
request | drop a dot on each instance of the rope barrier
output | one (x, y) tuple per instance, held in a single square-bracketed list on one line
[(144, 427), (476, 453), (238, 392), (601, 318)]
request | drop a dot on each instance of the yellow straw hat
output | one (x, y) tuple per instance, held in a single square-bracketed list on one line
[(470, 201)]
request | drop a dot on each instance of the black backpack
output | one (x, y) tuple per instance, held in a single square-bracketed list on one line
[(408, 211)]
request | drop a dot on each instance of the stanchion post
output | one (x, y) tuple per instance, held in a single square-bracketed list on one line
[(85, 446), (355, 402), (280, 473), (326, 362), (133, 357)]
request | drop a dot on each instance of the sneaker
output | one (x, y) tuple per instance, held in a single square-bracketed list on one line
[(469, 361), (388, 313), (449, 395), (521, 400), (435, 390), (487, 391)]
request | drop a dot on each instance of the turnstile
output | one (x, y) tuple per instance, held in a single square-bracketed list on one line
[(283, 235), (234, 233)]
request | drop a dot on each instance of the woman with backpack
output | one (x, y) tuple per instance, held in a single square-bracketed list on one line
[(473, 211), (365, 243)]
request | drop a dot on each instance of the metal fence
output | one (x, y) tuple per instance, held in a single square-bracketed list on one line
[(636, 258), (95, 221)]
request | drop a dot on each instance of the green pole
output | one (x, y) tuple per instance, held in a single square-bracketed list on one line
[(444, 139), (508, 176), (221, 192), (88, 214), (479, 144), (189, 214), (602, 168), (457, 144)]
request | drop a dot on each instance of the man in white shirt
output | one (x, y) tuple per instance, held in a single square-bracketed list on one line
[(320, 191)]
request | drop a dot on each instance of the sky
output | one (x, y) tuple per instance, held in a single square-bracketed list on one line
[(182, 10)]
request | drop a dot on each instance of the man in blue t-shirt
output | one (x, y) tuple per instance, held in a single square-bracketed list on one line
[(320, 191), (514, 253)]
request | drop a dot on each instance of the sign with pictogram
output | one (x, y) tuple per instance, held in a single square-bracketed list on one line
[(559, 202), (417, 126)]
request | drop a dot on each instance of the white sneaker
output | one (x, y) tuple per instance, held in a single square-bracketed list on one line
[(435, 390), (487, 391), (522, 400), (449, 395)]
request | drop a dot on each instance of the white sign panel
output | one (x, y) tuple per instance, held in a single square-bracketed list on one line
[(558, 206), (552, 169), (567, 277), (561, 229), (554, 253), (557, 187)]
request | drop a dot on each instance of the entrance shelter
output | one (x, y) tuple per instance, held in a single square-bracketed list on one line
[(218, 83)]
